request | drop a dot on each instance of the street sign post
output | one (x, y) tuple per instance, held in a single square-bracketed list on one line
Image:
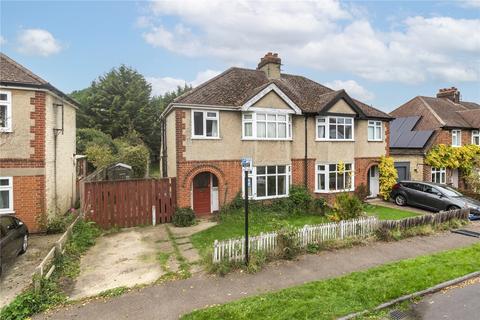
[(246, 165)]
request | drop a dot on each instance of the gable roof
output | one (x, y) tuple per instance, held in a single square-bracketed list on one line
[(14, 74), (403, 135), (438, 112), (234, 87)]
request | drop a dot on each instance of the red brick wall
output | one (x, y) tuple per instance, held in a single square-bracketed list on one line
[(29, 199), (362, 165), (298, 173)]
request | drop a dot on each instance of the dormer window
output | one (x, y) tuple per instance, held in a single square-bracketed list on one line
[(456, 138), (335, 128), (266, 126)]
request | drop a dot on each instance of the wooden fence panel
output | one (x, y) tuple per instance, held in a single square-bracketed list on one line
[(128, 203)]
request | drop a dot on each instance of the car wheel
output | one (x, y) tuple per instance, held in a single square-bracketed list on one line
[(400, 200), (452, 208), (24, 244)]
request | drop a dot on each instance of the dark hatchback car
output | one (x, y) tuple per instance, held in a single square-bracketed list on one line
[(13, 239), (433, 196)]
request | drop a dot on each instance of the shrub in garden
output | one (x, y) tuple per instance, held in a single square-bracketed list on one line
[(88, 136), (288, 242), (319, 205), (388, 176), (137, 157), (347, 206), (183, 217), (361, 191), (299, 197)]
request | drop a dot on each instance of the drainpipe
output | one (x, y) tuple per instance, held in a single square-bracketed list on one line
[(305, 164), (164, 147)]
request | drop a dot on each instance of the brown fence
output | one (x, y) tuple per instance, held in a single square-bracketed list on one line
[(129, 203)]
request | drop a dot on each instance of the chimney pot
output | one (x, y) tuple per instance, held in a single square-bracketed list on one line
[(270, 64), (451, 93)]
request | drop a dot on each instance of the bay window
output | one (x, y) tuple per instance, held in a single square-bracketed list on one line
[(266, 182), (456, 138), (266, 126), (332, 177), (335, 128), (476, 137), (375, 130), (6, 195), (439, 175), (204, 124)]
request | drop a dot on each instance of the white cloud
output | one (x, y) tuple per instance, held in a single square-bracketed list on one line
[(353, 88), (161, 85), (38, 42), (2, 40), (470, 3), (325, 35)]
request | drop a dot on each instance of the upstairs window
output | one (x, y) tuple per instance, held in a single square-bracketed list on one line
[(476, 137), (267, 126), (205, 124), (375, 131), (335, 128), (6, 195), (5, 111), (456, 138)]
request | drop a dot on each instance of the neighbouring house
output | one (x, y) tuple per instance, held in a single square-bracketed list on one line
[(37, 145), (424, 122), (295, 131)]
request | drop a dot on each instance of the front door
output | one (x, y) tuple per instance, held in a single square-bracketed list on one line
[(214, 196), (374, 181), (202, 194)]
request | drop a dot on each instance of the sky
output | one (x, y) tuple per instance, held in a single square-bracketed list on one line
[(381, 52)]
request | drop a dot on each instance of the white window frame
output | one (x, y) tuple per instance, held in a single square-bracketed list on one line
[(442, 172), (254, 122), (326, 124), (8, 103), (8, 188), (456, 135), (326, 172), (253, 182), (476, 136), (205, 118), (377, 127)]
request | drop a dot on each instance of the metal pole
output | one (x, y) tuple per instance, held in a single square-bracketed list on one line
[(246, 217)]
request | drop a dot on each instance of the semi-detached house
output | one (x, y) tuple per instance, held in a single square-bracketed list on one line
[(37, 145), (295, 130)]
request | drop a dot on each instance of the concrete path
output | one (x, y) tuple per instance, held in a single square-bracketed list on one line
[(18, 274), (126, 258), (458, 302), (172, 299), (390, 204)]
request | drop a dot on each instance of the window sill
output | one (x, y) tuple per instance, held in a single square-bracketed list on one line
[(266, 139), (375, 140), (336, 191), (6, 130), (335, 140), (206, 138), (7, 212), (268, 197)]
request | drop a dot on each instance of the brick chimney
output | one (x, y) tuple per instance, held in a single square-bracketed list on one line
[(270, 64), (449, 93)]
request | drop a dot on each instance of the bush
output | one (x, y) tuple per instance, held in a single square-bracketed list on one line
[(183, 217), (137, 157), (347, 206), (319, 205), (288, 242), (388, 176), (362, 192), (299, 197), (100, 155), (57, 224)]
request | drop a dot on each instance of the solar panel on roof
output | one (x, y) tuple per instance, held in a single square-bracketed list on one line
[(402, 136)]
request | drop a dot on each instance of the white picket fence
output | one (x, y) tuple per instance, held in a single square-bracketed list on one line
[(234, 249)]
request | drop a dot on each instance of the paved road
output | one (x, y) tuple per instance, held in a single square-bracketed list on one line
[(172, 299), (460, 303)]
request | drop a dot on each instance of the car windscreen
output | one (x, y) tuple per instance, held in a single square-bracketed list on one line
[(449, 192)]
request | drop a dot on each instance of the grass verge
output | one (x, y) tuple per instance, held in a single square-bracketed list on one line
[(30, 302), (355, 292)]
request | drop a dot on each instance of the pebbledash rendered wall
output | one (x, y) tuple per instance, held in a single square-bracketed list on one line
[(222, 156), (23, 154)]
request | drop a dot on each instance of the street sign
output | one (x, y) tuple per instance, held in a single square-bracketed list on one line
[(247, 164)]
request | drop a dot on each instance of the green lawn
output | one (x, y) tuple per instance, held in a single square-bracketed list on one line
[(260, 220), (385, 213), (355, 292)]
